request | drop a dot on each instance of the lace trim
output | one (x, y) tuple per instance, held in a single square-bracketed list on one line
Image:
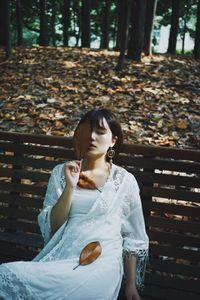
[(142, 259), (62, 181), (11, 287), (118, 177)]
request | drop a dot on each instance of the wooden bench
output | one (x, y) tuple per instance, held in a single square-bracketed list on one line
[(169, 180)]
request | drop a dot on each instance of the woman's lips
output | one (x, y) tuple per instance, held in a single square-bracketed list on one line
[(92, 146)]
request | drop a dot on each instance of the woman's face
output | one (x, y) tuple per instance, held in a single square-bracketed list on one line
[(100, 140)]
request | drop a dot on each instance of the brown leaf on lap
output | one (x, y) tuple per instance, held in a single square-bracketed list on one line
[(89, 253)]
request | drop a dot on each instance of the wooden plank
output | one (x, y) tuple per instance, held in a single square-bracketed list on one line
[(158, 163), (37, 163), (154, 292), (18, 253), (181, 210), (167, 179), (38, 150), (30, 240), (14, 225), (156, 151), (146, 150), (6, 259), (25, 174), (174, 268), (176, 283), (19, 213), (170, 193), (128, 161), (174, 238), (21, 201), (36, 138), (190, 255), (180, 226), (23, 188)]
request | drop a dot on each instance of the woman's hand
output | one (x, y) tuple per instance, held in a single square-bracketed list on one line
[(72, 171), (131, 291)]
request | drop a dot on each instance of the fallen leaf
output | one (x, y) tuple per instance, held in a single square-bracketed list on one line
[(89, 253)]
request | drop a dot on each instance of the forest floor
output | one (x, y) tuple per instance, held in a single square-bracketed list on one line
[(46, 90)]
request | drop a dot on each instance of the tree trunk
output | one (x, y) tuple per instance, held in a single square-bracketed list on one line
[(150, 14), (19, 23), (185, 18), (53, 19), (76, 21), (85, 23), (43, 24), (125, 19), (197, 35), (120, 7), (136, 42), (66, 21), (183, 36), (174, 26), (105, 25), (2, 23), (7, 29)]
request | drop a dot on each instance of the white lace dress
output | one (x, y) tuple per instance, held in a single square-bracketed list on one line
[(113, 217)]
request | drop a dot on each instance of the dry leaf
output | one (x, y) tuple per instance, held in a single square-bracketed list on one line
[(182, 124), (89, 253), (86, 182), (81, 139)]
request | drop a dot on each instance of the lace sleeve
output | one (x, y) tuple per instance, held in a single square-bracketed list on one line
[(53, 192), (135, 239)]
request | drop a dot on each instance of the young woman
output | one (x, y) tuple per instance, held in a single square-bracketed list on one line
[(87, 200)]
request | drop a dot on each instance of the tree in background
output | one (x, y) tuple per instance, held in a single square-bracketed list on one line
[(137, 20), (52, 21), (66, 21), (197, 36), (19, 21), (123, 32), (174, 26), (7, 27), (149, 19), (43, 24), (2, 23), (85, 23), (105, 24), (5, 35), (120, 23)]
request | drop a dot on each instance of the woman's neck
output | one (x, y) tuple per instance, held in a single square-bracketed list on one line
[(92, 164)]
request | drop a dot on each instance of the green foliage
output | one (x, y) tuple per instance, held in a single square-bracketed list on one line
[(31, 22)]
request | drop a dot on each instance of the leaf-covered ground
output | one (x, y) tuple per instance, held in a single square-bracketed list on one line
[(46, 90)]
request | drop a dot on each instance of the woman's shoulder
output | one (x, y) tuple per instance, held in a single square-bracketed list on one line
[(118, 170)]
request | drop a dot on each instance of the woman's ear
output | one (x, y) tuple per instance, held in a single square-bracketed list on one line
[(114, 140)]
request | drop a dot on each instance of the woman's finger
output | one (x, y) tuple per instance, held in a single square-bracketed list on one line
[(73, 167)]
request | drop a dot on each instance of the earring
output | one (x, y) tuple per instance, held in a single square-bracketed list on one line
[(110, 154)]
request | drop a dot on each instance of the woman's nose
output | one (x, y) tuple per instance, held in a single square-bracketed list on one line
[(93, 135)]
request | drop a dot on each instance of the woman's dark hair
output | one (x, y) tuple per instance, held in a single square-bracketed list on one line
[(95, 117)]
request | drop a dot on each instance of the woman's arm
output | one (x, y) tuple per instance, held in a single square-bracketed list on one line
[(60, 211), (130, 275)]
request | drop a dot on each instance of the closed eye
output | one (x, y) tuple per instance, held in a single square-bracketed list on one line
[(101, 131)]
